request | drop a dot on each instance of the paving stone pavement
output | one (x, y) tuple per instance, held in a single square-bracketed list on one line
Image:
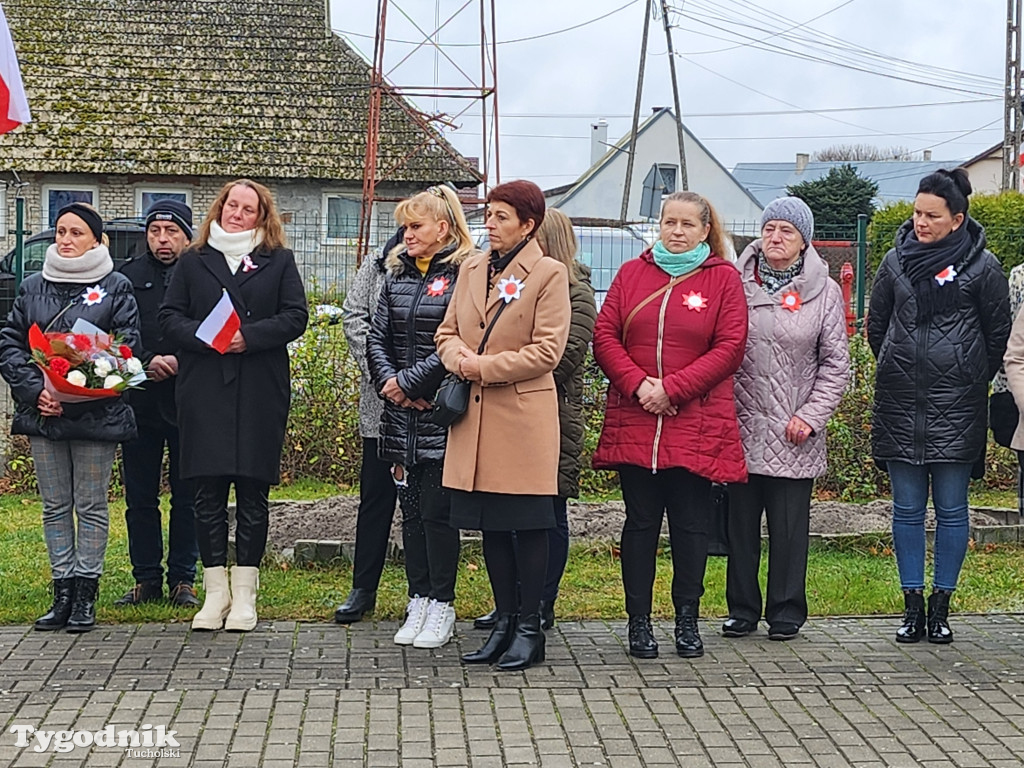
[(317, 696)]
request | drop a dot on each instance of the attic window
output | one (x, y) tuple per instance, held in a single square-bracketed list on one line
[(660, 181), (56, 196)]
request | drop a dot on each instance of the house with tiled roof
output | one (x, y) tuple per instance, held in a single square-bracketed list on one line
[(133, 100)]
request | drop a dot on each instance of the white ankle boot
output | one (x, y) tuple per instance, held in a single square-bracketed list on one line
[(216, 601), (245, 584)]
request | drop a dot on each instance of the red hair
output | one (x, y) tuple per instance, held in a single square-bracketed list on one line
[(524, 196)]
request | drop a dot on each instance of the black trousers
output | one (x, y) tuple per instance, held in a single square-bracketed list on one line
[(377, 497), (686, 499), (431, 544), (252, 517), (787, 503), (558, 549)]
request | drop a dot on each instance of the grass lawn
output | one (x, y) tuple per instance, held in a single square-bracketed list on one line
[(857, 579)]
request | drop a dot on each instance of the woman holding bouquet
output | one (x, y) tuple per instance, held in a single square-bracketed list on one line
[(73, 444), (233, 405)]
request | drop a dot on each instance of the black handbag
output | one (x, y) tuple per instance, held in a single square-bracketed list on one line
[(452, 398), (1002, 417), (718, 527)]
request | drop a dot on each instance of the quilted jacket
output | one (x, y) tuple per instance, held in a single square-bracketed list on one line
[(693, 337), (401, 344), (931, 386), (797, 363)]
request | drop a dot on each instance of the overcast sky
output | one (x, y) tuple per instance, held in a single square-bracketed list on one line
[(737, 58)]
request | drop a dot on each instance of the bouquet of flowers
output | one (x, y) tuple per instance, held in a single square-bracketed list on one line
[(85, 364)]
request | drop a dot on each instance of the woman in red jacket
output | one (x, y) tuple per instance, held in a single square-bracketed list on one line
[(670, 335)]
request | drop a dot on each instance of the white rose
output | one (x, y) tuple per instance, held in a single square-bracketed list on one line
[(134, 365), (102, 367), (113, 381), (77, 378)]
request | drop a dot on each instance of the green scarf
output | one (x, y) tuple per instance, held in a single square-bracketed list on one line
[(677, 264)]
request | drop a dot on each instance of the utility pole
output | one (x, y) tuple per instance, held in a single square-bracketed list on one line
[(636, 113), (1012, 109), (683, 182)]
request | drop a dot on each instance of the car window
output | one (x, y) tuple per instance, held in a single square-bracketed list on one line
[(605, 251), (35, 255), (125, 243)]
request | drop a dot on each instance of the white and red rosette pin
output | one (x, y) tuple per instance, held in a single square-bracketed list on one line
[(510, 288), (437, 286), (93, 295), (695, 301)]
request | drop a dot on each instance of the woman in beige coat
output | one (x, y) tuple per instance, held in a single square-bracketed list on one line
[(502, 456)]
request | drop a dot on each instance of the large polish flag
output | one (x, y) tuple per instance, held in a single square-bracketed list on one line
[(13, 103), (220, 325)]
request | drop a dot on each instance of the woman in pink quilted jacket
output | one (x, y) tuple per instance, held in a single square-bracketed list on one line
[(791, 380)]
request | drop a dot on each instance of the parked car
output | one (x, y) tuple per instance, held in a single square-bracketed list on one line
[(127, 237), (604, 250)]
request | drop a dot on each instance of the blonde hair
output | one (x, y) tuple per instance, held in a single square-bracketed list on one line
[(268, 219), (439, 203), (708, 217), (556, 238)]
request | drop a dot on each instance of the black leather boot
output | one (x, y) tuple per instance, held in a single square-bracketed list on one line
[(486, 621), (497, 642), (688, 642), (912, 629), (938, 614), (547, 614), (642, 644), (527, 646), (83, 609), (60, 611), (358, 602)]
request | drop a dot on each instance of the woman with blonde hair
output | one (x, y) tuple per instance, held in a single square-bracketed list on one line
[(406, 370), (233, 402)]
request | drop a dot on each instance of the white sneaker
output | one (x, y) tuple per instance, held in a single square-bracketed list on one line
[(438, 629), (415, 618)]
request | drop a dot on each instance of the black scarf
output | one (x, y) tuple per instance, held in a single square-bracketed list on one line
[(923, 261), (496, 263)]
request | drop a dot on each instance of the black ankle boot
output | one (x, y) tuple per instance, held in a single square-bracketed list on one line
[(83, 609), (527, 646), (688, 642), (60, 611), (358, 602), (497, 642), (486, 621), (547, 614), (912, 629), (938, 614), (642, 644)]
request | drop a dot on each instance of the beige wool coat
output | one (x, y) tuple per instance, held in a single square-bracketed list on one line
[(508, 440), (1013, 363)]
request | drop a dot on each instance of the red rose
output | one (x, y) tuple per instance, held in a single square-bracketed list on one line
[(60, 366), (126, 351)]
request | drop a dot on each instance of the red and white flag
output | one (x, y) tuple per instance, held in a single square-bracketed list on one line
[(220, 325), (13, 103)]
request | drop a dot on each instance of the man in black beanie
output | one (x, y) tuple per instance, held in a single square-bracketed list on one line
[(168, 233)]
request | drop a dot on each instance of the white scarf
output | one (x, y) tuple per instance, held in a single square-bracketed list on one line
[(92, 266), (234, 245)]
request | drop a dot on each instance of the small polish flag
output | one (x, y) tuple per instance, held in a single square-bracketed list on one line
[(13, 103), (220, 325)]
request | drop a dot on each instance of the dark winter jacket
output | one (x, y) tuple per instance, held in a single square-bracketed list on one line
[(39, 301), (569, 382), (233, 408), (154, 400), (401, 344), (931, 386)]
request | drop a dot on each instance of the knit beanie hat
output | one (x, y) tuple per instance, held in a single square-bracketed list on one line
[(171, 210), (795, 211)]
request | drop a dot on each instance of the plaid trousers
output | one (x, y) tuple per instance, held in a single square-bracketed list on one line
[(73, 478)]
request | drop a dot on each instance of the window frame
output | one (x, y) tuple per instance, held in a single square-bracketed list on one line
[(69, 187), (325, 237), (141, 190)]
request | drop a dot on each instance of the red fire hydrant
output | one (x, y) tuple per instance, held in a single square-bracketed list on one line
[(846, 279)]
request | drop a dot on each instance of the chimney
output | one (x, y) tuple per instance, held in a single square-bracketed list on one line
[(598, 140), (927, 155), (802, 159)]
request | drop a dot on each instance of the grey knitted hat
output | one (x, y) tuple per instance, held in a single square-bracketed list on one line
[(795, 211)]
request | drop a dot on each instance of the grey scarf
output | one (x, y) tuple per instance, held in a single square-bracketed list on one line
[(92, 266), (773, 280)]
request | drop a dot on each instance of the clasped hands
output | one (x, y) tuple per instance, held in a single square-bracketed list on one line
[(654, 399), (394, 394)]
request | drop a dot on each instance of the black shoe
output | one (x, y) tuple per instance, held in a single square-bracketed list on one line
[(938, 615), (738, 627), (527, 646), (642, 644), (688, 642), (498, 641), (783, 631), (547, 614), (83, 608), (143, 592), (60, 611), (912, 629), (359, 601), (486, 621), (184, 594)]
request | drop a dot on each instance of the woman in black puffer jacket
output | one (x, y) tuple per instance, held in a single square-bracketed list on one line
[(403, 363), (938, 325), (73, 444)]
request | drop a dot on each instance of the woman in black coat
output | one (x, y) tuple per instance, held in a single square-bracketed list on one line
[(73, 444), (938, 326), (233, 407), (406, 370)]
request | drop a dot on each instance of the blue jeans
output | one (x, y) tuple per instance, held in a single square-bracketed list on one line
[(909, 499)]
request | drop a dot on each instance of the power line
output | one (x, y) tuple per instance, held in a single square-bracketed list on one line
[(745, 138)]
